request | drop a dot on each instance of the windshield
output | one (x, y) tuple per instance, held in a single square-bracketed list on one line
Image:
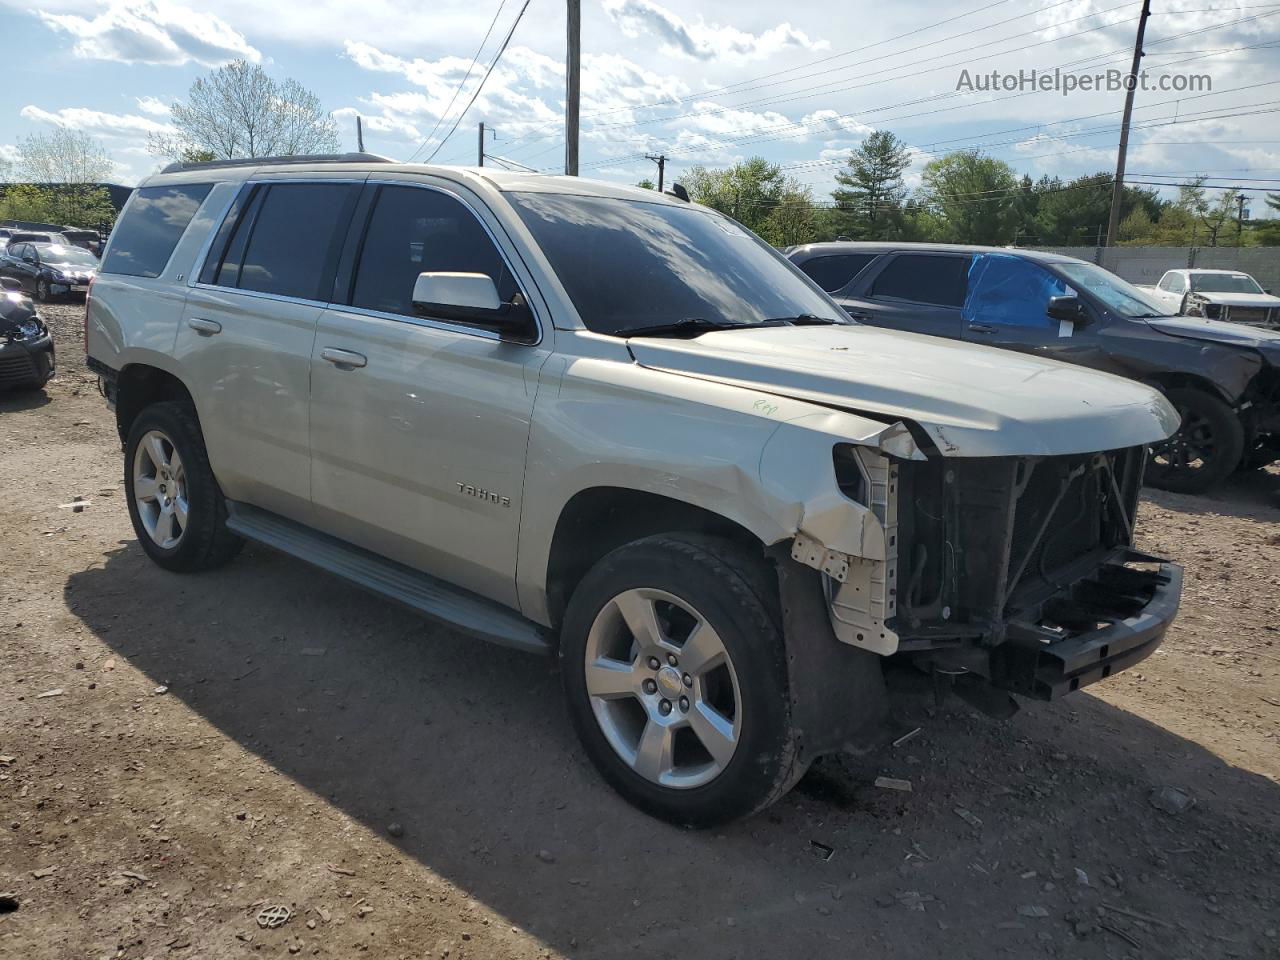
[(630, 264), (1119, 296), (60, 253), (1224, 283)]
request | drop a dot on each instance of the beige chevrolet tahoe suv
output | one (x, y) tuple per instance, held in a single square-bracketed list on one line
[(613, 426)]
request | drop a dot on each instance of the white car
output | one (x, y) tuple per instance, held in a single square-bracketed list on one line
[(613, 426), (1218, 295)]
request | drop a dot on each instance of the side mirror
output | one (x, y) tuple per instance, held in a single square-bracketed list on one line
[(9, 283), (470, 298), (1067, 308)]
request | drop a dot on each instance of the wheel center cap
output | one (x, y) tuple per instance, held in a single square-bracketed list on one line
[(669, 683)]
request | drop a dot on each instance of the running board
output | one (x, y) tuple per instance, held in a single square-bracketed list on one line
[(436, 599)]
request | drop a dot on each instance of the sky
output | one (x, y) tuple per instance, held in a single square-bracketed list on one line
[(704, 82)]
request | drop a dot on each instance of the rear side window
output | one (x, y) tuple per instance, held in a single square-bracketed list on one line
[(284, 240), (145, 237), (834, 273), (414, 230), (924, 278)]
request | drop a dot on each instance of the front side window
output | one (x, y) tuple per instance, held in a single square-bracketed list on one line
[(151, 227), (289, 239), (924, 278), (628, 264), (835, 272), (1224, 283), (1011, 292), (415, 230), (1118, 296)]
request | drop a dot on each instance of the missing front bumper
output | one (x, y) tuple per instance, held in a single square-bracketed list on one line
[(1034, 663)]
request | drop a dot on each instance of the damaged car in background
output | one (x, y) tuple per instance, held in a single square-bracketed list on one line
[(26, 346), (1223, 378), (615, 427)]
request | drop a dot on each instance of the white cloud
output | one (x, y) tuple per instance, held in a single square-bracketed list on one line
[(153, 32), (153, 105), (701, 40), (96, 122)]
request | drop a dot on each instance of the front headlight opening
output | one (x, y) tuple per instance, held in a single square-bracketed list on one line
[(850, 477), (30, 329)]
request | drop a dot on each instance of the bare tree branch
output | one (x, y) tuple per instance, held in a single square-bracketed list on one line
[(238, 111)]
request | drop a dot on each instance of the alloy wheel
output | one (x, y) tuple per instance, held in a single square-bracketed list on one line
[(1192, 448), (160, 489), (663, 689)]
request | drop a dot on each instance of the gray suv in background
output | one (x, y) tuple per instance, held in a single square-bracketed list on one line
[(609, 425)]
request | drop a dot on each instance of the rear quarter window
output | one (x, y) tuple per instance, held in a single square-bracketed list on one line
[(151, 227)]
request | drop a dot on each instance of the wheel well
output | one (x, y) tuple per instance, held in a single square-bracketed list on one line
[(601, 519), (1182, 381), (138, 387)]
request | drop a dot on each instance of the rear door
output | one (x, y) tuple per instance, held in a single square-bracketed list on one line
[(918, 292), (419, 426), (248, 328)]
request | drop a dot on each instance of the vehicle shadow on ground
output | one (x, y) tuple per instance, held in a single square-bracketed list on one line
[(468, 746), (1250, 493), (11, 401)]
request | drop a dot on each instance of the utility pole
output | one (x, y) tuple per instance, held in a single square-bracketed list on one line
[(661, 161), (480, 161), (572, 88), (359, 135), (1117, 189), (1240, 198)]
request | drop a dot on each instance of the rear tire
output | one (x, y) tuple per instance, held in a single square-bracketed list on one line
[(1206, 449), (178, 511), (674, 669)]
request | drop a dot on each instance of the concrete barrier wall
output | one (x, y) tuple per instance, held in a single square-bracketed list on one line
[(1148, 264)]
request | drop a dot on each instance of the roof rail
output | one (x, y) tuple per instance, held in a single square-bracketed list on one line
[(180, 166)]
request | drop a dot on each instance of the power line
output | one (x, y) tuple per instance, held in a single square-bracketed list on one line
[(480, 86), (474, 60)]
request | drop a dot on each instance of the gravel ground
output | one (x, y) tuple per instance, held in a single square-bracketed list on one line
[(177, 753)]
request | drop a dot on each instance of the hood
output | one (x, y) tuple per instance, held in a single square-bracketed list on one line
[(1265, 341), (973, 401), (1263, 300)]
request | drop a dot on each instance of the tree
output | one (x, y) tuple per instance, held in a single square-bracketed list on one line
[(66, 168), (758, 195), (974, 197), (871, 191), (1077, 211), (647, 184), (238, 111)]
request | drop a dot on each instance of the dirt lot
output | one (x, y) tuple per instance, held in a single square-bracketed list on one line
[(178, 752)]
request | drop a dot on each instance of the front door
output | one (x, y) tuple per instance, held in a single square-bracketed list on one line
[(419, 427)]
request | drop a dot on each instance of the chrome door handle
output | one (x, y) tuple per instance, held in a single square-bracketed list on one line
[(981, 328), (204, 327), (343, 358)]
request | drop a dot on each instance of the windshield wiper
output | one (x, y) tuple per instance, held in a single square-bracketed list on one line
[(809, 320), (692, 326)]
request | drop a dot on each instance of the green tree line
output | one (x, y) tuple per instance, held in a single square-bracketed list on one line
[(967, 196)]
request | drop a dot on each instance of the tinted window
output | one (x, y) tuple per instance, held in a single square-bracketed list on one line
[(292, 243), (834, 273), (1011, 292), (145, 237), (412, 231), (924, 278), (224, 270), (630, 263)]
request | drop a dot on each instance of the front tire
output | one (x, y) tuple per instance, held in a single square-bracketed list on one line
[(1206, 449), (44, 292), (177, 508), (674, 670)]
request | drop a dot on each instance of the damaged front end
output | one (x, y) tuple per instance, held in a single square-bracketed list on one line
[(1016, 570)]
